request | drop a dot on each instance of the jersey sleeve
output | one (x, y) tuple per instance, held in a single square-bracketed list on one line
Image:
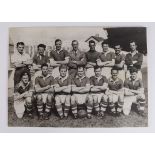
[(126, 84), (105, 80), (121, 84), (87, 82), (66, 54), (36, 81), (73, 82), (91, 81), (140, 84), (56, 84), (112, 55)]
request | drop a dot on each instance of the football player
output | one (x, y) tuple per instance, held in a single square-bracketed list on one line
[(134, 59), (91, 59), (23, 96), (44, 87), (62, 92), (115, 93), (134, 93), (99, 84), (80, 90), (106, 59), (119, 61), (58, 57)]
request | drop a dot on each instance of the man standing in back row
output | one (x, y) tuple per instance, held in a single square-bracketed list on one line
[(91, 58), (21, 61), (76, 58), (134, 59), (58, 57), (106, 60)]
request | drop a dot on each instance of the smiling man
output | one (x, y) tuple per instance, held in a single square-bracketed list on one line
[(44, 87), (62, 92), (21, 61)]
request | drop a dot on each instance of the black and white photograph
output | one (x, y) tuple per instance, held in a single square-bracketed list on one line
[(78, 77)]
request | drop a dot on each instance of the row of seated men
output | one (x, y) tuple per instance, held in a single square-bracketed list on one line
[(67, 93)]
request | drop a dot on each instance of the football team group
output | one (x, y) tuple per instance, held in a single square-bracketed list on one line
[(71, 81)]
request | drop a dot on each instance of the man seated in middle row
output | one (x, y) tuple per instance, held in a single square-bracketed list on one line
[(62, 92), (99, 84), (80, 90), (44, 87)]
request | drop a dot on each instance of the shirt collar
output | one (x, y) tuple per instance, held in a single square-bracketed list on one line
[(80, 78), (98, 78), (21, 84), (134, 53), (63, 78), (20, 54), (38, 55), (111, 79), (133, 80), (58, 51), (48, 75)]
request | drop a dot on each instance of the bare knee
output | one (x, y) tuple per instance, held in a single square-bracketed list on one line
[(28, 100), (39, 97)]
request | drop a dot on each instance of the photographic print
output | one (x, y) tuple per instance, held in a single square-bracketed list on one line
[(77, 77)]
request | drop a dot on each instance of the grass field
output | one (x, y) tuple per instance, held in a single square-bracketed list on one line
[(133, 120)]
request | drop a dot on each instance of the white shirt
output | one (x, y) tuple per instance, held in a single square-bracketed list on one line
[(19, 58)]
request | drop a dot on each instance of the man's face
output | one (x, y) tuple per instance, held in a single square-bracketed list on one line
[(92, 46), (25, 79), (41, 50), (81, 72), (133, 46), (117, 49), (133, 75), (45, 70), (114, 74), (98, 72), (63, 72), (58, 45), (20, 49), (75, 45), (105, 47)]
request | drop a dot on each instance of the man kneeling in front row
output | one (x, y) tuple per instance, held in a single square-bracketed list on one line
[(134, 93), (81, 96), (44, 86), (23, 96)]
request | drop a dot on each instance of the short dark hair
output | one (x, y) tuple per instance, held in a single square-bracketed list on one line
[(57, 40), (91, 41), (81, 66), (20, 43), (63, 66), (133, 69), (117, 44), (114, 68), (41, 45), (75, 41), (43, 65), (96, 67), (105, 42), (25, 73), (133, 41)]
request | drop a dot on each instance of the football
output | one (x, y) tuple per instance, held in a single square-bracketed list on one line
[(82, 113)]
